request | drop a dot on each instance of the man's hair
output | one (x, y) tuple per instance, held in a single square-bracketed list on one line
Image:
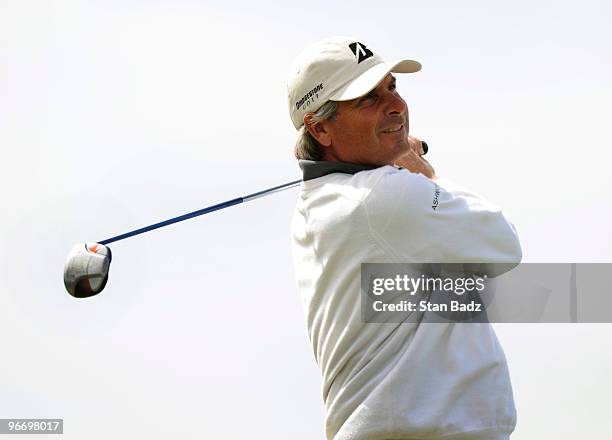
[(307, 146)]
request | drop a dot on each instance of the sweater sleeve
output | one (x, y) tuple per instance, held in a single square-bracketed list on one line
[(420, 220)]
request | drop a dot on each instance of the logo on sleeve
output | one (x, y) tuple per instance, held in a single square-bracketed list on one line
[(360, 51), (434, 203)]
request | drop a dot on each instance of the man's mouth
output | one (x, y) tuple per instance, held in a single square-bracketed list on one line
[(394, 129)]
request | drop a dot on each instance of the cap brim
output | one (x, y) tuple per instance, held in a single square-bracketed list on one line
[(372, 77)]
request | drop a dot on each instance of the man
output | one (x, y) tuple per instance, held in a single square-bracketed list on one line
[(369, 196)]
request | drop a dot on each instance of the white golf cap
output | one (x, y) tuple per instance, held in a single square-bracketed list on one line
[(337, 69)]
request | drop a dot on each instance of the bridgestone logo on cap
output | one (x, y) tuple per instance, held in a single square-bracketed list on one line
[(308, 95), (360, 51)]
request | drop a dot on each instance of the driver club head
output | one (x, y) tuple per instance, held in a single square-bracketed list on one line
[(86, 269)]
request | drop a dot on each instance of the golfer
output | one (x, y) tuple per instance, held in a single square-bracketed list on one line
[(369, 196)]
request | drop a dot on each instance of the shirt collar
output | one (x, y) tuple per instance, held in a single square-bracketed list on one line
[(312, 169)]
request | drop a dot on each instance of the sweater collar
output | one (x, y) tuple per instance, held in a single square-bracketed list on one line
[(312, 169)]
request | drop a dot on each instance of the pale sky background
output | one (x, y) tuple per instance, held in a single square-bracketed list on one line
[(118, 114)]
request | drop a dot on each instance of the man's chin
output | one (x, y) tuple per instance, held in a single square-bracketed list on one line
[(400, 150)]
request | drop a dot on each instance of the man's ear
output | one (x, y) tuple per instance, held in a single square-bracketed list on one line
[(318, 130)]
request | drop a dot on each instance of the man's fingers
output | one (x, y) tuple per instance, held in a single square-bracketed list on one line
[(420, 147)]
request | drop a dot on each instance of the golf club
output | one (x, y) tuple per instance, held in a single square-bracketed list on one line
[(87, 266)]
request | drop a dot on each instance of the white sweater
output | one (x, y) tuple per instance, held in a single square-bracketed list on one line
[(399, 381)]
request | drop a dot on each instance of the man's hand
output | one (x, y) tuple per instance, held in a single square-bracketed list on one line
[(413, 160)]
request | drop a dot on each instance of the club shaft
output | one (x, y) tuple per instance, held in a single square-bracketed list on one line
[(203, 211), (216, 207)]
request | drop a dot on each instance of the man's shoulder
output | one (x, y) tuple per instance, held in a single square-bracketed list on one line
[(381, 185), (391, 182), (396, 189), (364, 175)]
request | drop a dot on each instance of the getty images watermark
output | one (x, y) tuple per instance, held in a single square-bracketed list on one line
[(474, 292)]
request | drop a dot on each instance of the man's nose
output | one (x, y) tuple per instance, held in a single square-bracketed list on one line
[(396, 104)]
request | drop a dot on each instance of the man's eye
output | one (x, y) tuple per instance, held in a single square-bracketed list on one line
[(367, 100)]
